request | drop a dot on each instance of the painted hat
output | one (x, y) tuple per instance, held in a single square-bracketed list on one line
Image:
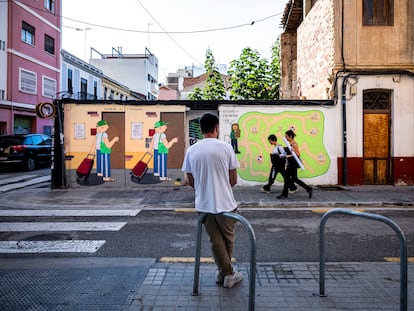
[(160, 123), (101, 123)]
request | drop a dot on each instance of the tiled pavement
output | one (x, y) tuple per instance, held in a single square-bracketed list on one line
[(141, 284)]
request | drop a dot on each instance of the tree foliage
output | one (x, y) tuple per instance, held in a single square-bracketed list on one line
[(275, 71), (214, 87), (197, 94), (249, 76), (253, 77)]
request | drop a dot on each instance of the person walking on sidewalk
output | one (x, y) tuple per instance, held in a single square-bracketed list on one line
[(210, 167), (278, 160), (292, 168)]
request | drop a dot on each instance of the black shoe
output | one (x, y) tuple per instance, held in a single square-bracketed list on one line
[(281, 197), (310, 191), (265, 189)]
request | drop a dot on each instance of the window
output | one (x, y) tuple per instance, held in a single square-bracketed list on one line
[(95, 89), (84, 88), (50, 5), (49, 87), (378, 12), (2, 45), (70, 81), (49, 45), (28, 33), (28, 81)]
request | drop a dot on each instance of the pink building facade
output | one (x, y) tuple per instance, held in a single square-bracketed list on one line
[(30, 63)]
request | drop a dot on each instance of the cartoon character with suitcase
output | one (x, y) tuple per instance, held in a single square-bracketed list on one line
[(161, 146), (103, 150)]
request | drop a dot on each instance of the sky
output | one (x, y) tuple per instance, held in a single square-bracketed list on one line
[(177, 32)]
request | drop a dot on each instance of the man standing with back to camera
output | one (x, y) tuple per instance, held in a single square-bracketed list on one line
[(210, 167)]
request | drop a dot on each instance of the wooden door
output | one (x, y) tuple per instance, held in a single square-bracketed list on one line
[(116, 128), (377, 161)]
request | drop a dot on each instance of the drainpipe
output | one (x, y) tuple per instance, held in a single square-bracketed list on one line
[(344, 133)]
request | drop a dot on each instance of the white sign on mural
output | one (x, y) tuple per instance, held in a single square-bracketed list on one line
[(79, 131), (136, 130)]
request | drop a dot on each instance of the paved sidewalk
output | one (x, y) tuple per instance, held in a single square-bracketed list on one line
[(135, 284)]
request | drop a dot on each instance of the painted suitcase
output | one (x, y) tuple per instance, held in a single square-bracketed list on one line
[(84, 169), (139, 170)]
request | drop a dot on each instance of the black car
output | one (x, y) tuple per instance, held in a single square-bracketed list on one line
[(26, 150)]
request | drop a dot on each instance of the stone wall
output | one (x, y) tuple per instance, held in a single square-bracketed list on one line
[(316, 51)]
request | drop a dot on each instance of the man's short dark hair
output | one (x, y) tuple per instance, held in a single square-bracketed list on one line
[(208, 123), (272, 137)]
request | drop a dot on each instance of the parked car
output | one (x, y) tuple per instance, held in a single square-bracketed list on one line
[(27, 150)]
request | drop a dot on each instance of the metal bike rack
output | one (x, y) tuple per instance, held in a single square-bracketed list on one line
[(252, 281), (389, 222)]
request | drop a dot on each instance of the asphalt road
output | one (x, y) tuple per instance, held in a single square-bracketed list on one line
[(281, 236)]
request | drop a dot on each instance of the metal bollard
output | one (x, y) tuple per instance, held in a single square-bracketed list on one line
[(389, 222)]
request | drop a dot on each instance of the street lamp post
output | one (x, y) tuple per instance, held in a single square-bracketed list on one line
[(86, 29), (84, 44), (149, 24)]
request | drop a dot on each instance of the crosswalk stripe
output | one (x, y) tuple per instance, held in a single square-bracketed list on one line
[(24, 184), (72, 246), (61, 226), (5, 179), (66, 213)]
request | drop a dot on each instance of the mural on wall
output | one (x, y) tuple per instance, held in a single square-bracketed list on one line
[(255, 127), (103, 151), (234, 136), (194, 131), (160, 147)]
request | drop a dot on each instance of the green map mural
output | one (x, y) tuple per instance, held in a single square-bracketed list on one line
[(254, 147)]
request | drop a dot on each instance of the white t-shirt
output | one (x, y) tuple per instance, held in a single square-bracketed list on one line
[(158, 137), (209, 161), (278, 149), (100, 137)]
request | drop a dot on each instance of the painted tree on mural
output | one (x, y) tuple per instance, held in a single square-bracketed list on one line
[(253, 77)]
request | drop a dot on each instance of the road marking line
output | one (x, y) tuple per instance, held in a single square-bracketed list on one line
[(24, 184), (189, 259), (61, 226), (74, 213), (73, 246), (397, 259), (185, 210), (14, 179)]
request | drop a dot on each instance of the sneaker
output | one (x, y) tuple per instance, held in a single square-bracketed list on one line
[(265, 189), (293, 191), (231, 279), (165, 178), (219, 277)]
